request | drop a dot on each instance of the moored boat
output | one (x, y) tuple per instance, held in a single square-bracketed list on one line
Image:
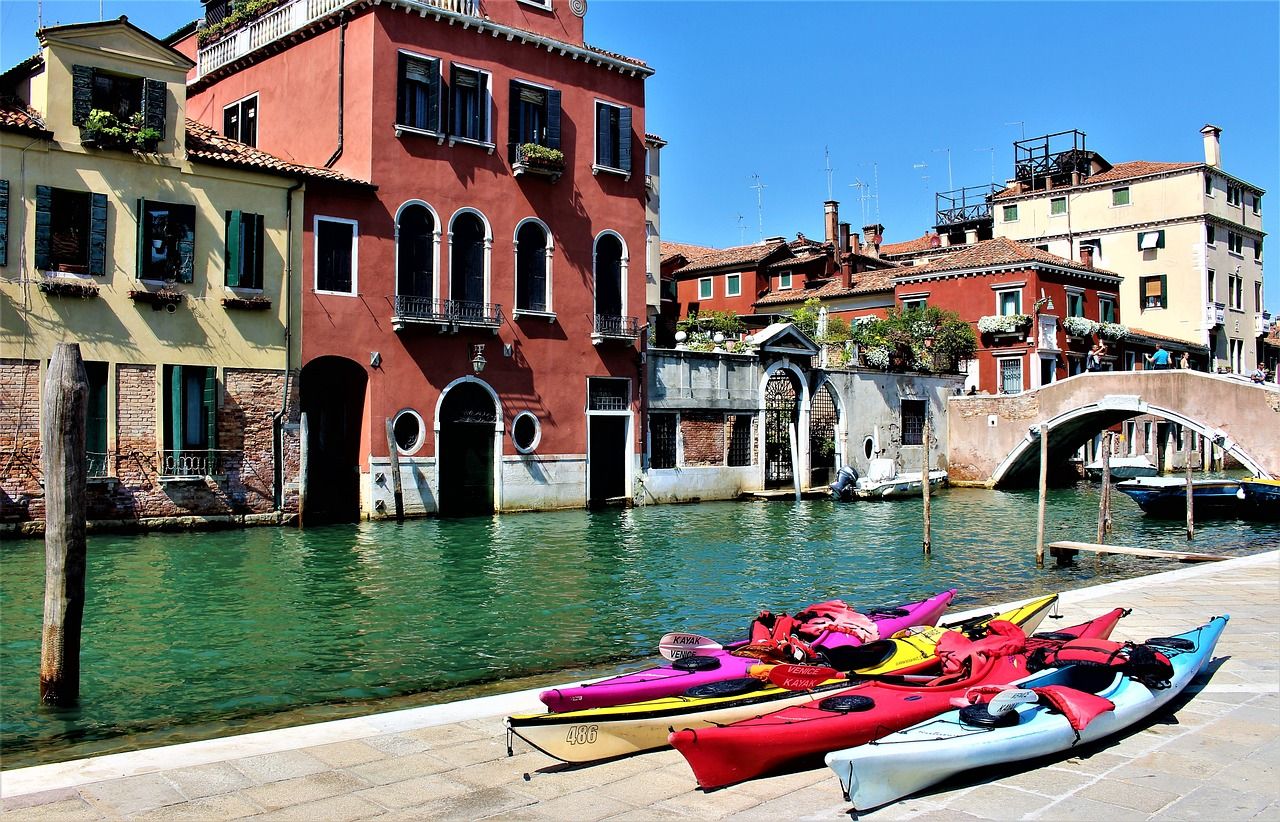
[(1261, 498), (1098, 701), (1123, 468), (1167, 496), (885, 481)]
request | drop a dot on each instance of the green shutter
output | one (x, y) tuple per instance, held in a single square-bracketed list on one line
[(155, 98), (173, 437), (624, 139), (81, 94), (44, 226), (97, 234), (211, 407), (141, 240), (553, 118), (187, 246), (233, 258), (1164, 290), (4, 222), (255, 269), (1160, 238), (513, 116)]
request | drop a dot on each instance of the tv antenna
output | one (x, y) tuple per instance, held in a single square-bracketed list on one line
[(992, 150), (742, 231), (862, 196), (759, 187), (827, 151), (1020, 124), (950, 185)]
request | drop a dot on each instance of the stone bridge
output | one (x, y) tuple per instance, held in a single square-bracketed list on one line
[(993, 440)]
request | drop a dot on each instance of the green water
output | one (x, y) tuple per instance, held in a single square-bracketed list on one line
[(195, 635)]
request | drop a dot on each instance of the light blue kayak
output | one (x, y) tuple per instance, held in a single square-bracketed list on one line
[(927, 753)]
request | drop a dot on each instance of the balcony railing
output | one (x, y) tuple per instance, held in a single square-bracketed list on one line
[(970, 204), (444, 313), (97, 462), (609, 327), (193, 463), (288, 18), (1215, 314), (1262, 324)]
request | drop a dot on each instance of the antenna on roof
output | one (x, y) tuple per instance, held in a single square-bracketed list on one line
[(993, 162), (1020, 124), (862, 196), (742, 231), (875, 168), (827, 151), (759, 187)]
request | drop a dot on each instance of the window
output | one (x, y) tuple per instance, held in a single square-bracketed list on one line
[(1208, 184), (418, 93), (1212, 285), (535, 115), (1257, 296), (1008, 302), (1154, 291), (914, 304), (408, 430), (613, 137), (190, 413), (120, 96), (1150, 240), (1233, 194), (1120, 196), (71, 231), (1106, 309), (1130, 361), (1075, 304), (610, 276), (117, 95), (1257, 204), (532, 259), (740, 439), (95, 433), (1057, 205), (416, 252), (784, 281), (1010, 213), (1236, 352), (913, 412), (733, 284), (4, 222), (240, 121), (467, 259), (469, 104), (1235, 242), (704, 288), (166, 241), (1257, 248), (244, 235), (526, 431), (1210, 236), (1235, 292), (1042, 247), (1010, 375), (336, 255), (608, 394), (662, 440)]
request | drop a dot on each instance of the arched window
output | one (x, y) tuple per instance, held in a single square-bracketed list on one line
[(466, 259), (415, 252), (608, 276), (531, 268)]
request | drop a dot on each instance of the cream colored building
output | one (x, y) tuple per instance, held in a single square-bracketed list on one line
[(166, 251), (1186, 236)]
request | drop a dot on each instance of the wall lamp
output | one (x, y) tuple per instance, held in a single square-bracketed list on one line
[(477, 358)]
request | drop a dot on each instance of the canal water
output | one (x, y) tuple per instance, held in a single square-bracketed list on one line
[(194, 635)]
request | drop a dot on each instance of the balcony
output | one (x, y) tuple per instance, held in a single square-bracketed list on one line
[(1215, 314), (283, 21), (193, 465), (96, 464), (963, 207), (1262, 324), (450, 315), (537, 161), (606, 327)]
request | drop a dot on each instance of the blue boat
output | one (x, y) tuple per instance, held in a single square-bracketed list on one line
[(1261, 498), (1167, 496)]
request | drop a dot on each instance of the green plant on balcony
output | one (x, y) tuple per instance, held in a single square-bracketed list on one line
[(710, 322), (925, 339), (105, 129), (244, 12), (1004, 323), (540, 157), (1079, 326), (1113, 331)]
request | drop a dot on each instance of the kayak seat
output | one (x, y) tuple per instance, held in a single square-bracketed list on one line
[(696, 663), (1175, 643), (853, 657), (847, 703), (978, 716), (886, 612), (726, 687)]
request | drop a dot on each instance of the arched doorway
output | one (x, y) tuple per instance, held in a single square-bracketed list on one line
[(467, 419), (781, 412), (824, 419), (331, 393)]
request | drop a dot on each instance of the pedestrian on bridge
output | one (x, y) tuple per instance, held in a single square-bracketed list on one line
[(1093, 362), (1159, 360)]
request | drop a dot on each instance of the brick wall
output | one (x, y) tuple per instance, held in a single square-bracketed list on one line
[(21, 496), (703, 436)]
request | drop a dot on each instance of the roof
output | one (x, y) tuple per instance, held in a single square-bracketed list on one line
[(21, 71), (997, 252), (742, 255), (624, 58), (654, 139), (122, 20), (924, 243), (865, 282), (776, 337), (1120, 171), (203, 143), (1138, 335), (18, 116)]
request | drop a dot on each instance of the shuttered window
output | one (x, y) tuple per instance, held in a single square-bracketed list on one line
[(1154, 291), (531, 268), (1148, 240), (1120, 196), (240, 121), (335, 255), (418, 93), (1106, 309), (71, 231), (535, 115), (1010, 376), (243, 253), (469, 104), (190, 406), (613, 137), (166, 241), (4, 222)]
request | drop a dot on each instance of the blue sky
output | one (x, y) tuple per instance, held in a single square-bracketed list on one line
[(746, 88)]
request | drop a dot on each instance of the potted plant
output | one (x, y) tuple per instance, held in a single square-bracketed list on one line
[(1113, 331), (167, 297), (1079, 327), (538, 159), (257, 302), (1004, 324), (105, 130), (60, 287)]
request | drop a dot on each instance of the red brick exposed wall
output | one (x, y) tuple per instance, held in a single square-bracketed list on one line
[(703, 436), (20, 493)]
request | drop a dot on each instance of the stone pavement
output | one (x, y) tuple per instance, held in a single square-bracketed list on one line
[(1214, 754)]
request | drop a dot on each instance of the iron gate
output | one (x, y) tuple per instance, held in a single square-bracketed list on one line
[(780, 412), (822, 437)]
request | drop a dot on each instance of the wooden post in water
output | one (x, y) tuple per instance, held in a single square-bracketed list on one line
[(304, 450), (924, 476), (65, 408), (795, 460), (1044, 489), (1104, 504), (1191, 508), (396, 490)]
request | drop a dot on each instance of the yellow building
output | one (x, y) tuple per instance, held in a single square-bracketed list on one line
[(1187, 236), (167, 252)]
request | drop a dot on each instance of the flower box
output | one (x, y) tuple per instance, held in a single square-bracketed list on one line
[(166, 298), (1004, 324), (257, 303), (531, 158), (1112, 331), (56, 287), (1079, 327)]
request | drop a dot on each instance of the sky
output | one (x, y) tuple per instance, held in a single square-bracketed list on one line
[(889, 94)]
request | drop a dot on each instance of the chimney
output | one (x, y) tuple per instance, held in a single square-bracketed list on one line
[(971, 236), (1212, 148), (1086, 256), (831, 211), (855, 243), (874, 233), (844, 238)]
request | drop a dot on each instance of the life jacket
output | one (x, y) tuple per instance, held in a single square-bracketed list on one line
[(958, 653), (837, 617), (1141, 662), (774, 637), (1079, 707)]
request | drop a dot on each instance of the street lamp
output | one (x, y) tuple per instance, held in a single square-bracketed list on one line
[(477, 360)]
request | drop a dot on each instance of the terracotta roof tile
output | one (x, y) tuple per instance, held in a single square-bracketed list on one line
[(1000, 251), (865, 282), (17, 116), (624, 58), (745, 255), (203, 143), (1151, 336), (906, 247), (1120, 171)]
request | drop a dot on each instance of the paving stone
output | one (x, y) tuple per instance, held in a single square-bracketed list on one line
[(645, 789), (1217, 803), (471, 753), (714, 805), (1007, 803), (274, 767), (207, 780), (507, 771), (303, 789), (398, 769), (442, 736), (1047, 781), (1096, 763), (334, 809), (584, 806), (225, 806), (1124, 794), (398, 744), (475, 804), (771, 786), (13, 803), (131, 795), (1077, 808), (60, 810), (346, 754), (1169, 763), (411, 792), (646, 814)]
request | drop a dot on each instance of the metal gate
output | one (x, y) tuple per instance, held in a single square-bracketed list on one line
[(822, 437), (780, 412)]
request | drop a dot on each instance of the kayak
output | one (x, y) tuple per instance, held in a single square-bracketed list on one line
[(803, 733), (716, 665), (927, 753), (603, 733)]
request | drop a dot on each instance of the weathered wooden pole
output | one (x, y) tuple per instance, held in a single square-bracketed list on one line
[(1104, 504), (924, 477), (64, 410), (396, 490), (1191, 508), (795, 459), (304, 451), (1044, 491)]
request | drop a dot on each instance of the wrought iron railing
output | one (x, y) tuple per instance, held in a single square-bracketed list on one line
[(446, 312), (622, 328), (193, 463), (964, 205), (97, 461)]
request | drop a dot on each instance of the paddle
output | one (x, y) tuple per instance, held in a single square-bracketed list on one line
[(804, 677), (675, 646), (1005, 701)]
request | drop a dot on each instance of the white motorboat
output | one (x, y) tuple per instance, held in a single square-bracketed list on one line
[(1123, 468), (883, 481)]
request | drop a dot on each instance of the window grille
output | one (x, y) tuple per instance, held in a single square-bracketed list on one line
[(740, 439), (662, 436), (913, 422), (606, 394)]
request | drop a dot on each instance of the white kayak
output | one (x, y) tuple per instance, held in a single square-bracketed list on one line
[(927, 753)]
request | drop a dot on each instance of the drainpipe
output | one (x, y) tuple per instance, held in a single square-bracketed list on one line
[(286, 295), (342, 65)]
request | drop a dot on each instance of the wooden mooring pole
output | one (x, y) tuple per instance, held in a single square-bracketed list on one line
[(1044, 489), (795, 460), (1104, 504), (64, 411), (924, 477), (1191, 508), (396, 490), (304, 478)]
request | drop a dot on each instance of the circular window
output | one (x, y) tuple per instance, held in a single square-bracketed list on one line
[(868, 447), (408, 430), (525, 432)]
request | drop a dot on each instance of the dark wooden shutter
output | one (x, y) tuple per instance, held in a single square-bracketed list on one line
[(513, 117), (553, 118), (402, 92), (44, 227), (434, 100), (604, 155), (255, 268), (155, 97), (1160, 238), (174, 438), (1164, 290), (624, 139), (97, 234), (187, 246), (211, 409), (81, 94), (4, 222), (233, 258), (141, 240)]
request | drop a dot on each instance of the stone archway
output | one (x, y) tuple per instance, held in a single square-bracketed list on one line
[(781, 418), (466, 421)]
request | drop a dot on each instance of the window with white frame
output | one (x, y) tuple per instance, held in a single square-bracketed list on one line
[(1154, 291), (1257, 203), (1057, 206), (1235, 292), (1106, 309), (1009, 302), (1257, 296), (914, 303), (784, 281), (732, 285), (1120, 196), (1010, 375), (1236, 350), (468, 254), (1257, 248), (469, 104), (335, 253), (1010, 213), (1210, 235), (1208, 184), (240, 120), (533, 261), (1075, 303), (706, 288), (613, 137), (418, 93), (1233, 194), (1235, 242)]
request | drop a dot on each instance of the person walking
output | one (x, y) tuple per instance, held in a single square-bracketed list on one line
[(1185, 361), (1093, 362), (1159, 360)]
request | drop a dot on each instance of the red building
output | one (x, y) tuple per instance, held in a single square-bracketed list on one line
[(485, 299), (1036, 315)]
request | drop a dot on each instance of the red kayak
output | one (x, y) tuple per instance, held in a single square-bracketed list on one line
[(733, 753)]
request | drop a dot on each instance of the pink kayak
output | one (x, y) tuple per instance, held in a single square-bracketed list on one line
[(716, 665)]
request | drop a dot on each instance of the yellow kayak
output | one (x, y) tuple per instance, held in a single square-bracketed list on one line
[(605, 733)]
